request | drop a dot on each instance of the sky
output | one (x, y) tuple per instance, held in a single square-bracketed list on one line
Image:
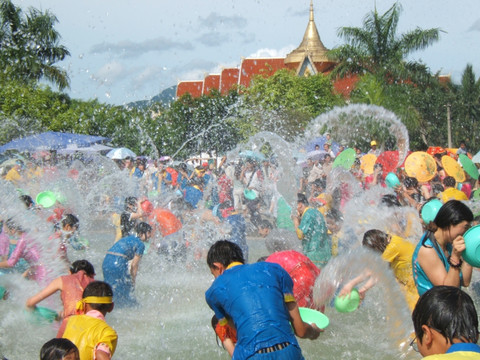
[(130, 50)]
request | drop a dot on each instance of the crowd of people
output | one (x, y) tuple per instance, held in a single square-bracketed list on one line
[(255, 301)]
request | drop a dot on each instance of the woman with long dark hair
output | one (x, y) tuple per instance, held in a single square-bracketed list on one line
[(437, 259)]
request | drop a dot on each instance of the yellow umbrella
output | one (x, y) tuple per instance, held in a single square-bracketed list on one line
[(421, 165), (367, 162), (453, 168)]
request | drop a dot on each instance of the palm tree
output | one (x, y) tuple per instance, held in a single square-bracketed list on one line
[(377, 49), (29, 46)]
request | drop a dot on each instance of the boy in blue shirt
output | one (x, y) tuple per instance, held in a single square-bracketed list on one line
[(258, 298)]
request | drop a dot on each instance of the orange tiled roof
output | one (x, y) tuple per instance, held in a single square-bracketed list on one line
[(266, 67), (210, 83), (195, 88), (228, 80)]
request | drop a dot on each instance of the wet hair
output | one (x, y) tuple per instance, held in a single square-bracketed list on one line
[(224, 252), (130, 201), (143, 228), (410, 182), (98, 288), (453, 212), (449, 181), (27, 200), (301, 198), (82, 265), (57, 349), (70, 219), (322, 183), (265, 224), (437, 188), (376, 240), (12, 225), (448, 310), (390, 200), (335, 215)]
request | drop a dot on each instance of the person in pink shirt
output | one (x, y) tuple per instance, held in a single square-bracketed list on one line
[(27, 250), (71, 289)]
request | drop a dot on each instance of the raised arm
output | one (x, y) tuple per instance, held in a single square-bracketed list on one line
[(51, 288)]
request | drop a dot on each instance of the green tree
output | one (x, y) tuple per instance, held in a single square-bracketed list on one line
[(30, 46), (376, 48), (468, 107), (284, 103)]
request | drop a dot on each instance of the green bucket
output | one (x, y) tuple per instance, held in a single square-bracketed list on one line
[(46, 199)]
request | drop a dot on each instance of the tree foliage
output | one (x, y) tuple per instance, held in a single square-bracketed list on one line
[(30, 46), (376, 48)]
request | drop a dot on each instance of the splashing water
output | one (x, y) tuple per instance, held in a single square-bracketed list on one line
[(173, 321)]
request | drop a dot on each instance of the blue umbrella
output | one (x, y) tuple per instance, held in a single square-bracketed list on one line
[(249, 154), (51, 140)]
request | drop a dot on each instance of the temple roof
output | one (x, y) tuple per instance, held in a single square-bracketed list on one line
[(311, 45)]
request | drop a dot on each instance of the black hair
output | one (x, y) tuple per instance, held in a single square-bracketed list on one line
[(449, 181), (57, 349), (301, 198), (27, 200), (265, 224), (453, 212), (335, 215), (130, 201), (390, 200), (322, 183), (224, 252), (82, 265), (143, 228), (13, 225), (410, 182), (448, 310), (70, 219), (376, 240), (98, 288)]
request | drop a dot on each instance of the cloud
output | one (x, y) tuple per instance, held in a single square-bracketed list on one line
[(128, 48), (247, 38), (272, 53), (110, 73), (213, 38), (475, 26), (214, 21)]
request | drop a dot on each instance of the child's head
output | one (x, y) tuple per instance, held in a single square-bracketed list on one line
[(70, 222), (376, 240), (448, 311), (59, 349), (264, 228), (27, 200), (143, 231), (130, 203), (224, 252), (334, 219), (82, 265), (98, 295)]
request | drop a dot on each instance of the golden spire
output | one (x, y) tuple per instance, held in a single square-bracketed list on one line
[(311, 44)]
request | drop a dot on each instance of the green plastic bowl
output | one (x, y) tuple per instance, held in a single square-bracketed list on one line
[(46, 199), (392, 180), (314, 317), (430, 210), (250, 194), (41, 315), (348, 303), (471, 253)]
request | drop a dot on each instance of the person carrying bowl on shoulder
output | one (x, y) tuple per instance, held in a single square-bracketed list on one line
[(437, 259)]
